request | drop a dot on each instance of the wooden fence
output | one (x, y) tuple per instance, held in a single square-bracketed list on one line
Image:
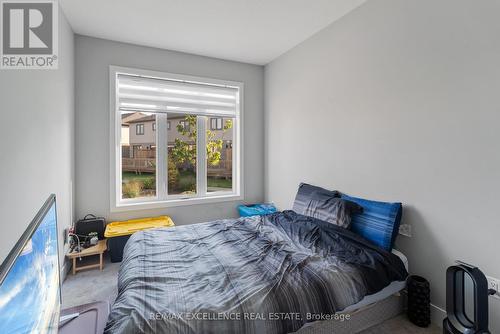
[(148, 164), (139, 165)]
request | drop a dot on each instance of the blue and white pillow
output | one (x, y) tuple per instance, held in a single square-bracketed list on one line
[(379, 221)]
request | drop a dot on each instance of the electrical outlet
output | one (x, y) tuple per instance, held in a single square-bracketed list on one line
[(405, 229), (494, 283)]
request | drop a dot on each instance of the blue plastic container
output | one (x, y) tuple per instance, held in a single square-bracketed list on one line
[(256, 209)]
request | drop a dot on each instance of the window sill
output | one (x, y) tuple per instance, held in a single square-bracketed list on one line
[(132, 206)]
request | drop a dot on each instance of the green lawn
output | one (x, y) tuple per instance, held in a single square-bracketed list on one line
[(219, 183), (131, 176), (186, 180)]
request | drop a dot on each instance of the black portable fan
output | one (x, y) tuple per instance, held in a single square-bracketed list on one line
[(466, 300)]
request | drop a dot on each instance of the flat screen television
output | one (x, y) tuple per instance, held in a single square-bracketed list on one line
[(30, 291)]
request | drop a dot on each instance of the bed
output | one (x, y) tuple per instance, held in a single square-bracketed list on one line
[(278, 273)]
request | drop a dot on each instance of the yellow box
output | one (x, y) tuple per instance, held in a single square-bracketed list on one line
[(128, 227)]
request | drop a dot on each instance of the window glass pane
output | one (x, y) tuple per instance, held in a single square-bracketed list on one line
[(220, 155), (182, 154), (159, 159), (138, 155)]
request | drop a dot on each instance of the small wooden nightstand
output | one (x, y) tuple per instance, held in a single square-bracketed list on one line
[(98, 249)]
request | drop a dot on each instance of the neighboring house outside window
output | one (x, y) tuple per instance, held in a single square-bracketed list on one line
[(139, 129), (154, 126), (216, 123), (168, 125)]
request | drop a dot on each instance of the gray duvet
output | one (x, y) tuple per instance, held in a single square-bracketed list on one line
[(264, 274)]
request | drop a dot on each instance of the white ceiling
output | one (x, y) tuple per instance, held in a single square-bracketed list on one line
[(251, 31)]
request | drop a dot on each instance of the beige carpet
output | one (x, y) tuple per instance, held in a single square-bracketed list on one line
[(94, 285), (91, 285)]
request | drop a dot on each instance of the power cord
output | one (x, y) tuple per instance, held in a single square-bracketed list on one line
[(77, 247)]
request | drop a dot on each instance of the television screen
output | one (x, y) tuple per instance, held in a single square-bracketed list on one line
[(29, 278)]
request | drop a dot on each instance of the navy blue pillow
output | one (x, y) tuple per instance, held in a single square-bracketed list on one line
[(379, 221), (304, 194)]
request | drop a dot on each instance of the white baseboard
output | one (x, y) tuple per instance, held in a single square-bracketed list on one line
[(65, 269), (437, 315)]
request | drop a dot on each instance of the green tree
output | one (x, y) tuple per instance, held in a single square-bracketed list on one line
[(173, 175), (184, 150)]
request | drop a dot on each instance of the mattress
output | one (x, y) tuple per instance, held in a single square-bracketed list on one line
[(360, 320)]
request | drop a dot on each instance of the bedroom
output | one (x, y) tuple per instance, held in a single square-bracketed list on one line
[(391, 101)]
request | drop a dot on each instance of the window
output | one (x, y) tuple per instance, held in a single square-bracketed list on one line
[(219, 156), (184, 125), (192, 155), (215, 123), (139, 129)]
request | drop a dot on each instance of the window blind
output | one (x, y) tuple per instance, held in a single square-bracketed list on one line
[(136, 93)]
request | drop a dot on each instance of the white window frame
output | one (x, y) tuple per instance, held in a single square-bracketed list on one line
[(162, 199), (137, 127), (185, 126)]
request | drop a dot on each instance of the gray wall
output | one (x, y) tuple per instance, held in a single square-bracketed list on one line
[(93, 57), (402, 100), (37, 142)]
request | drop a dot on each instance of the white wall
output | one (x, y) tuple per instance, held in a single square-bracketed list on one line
[(93, 57), (402, 100), (37, 143)]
